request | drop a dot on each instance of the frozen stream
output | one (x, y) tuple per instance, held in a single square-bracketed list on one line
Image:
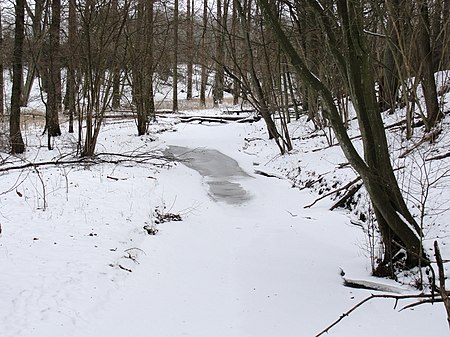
[(220, 172)]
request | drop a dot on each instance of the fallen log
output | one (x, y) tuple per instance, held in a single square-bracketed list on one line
[(238, 112), (346, 186), (219, 119), (202, 119), (350, 193)]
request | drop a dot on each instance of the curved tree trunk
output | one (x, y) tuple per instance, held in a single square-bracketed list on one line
[(398, 227)]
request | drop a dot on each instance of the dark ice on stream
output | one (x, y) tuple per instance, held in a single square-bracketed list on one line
[(221, 172)]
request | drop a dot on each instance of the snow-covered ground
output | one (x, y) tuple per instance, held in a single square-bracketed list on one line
[(76, 261)]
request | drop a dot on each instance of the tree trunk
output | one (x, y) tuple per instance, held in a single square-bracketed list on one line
[(17, 145), (236, 51), (220, 52), (204, 75), (175, 58), (54, 89), (190, 46), (2, 99), (116, 66), (71, 83), (425, 55)]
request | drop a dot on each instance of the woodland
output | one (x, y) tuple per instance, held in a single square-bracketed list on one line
[(333, 63)]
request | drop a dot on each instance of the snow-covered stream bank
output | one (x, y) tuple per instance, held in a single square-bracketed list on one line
[(265, 267)]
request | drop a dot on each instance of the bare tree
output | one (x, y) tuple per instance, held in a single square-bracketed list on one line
[(36, 43), (100, 38), (142, 65), (15, 135), (345, 28), (54, 75)]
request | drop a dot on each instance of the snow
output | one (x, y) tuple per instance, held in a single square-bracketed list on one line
[(76, 261)]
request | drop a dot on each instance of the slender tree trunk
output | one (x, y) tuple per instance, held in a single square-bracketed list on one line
[(175, 58), (219, 55), (150, 60), (71, 83), (204, 74), (116, 66), (425, 54), (236, 51), (190, 46), (17, 145), (2, 100), (54, 89)]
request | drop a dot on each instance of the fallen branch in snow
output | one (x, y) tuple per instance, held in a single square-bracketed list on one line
[(346, 186), (237, 112), (113, 158), (219, 119), (123, 268), (370, 285), (203, 119), (266, 174), (443, 295), (372, 296), (253, 139), (115, 178), (350, 193)]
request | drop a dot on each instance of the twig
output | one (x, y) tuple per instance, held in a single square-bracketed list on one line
[(123, 268), (442, 156), (372, 296), (430, 137)]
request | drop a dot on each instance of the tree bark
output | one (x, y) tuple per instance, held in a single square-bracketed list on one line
[(175, 58), (204, 74), (190, 46), (54, 88), (71, 82), (219, 55), (425, 55), (116, 66), (17, 145), (2, 99)]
